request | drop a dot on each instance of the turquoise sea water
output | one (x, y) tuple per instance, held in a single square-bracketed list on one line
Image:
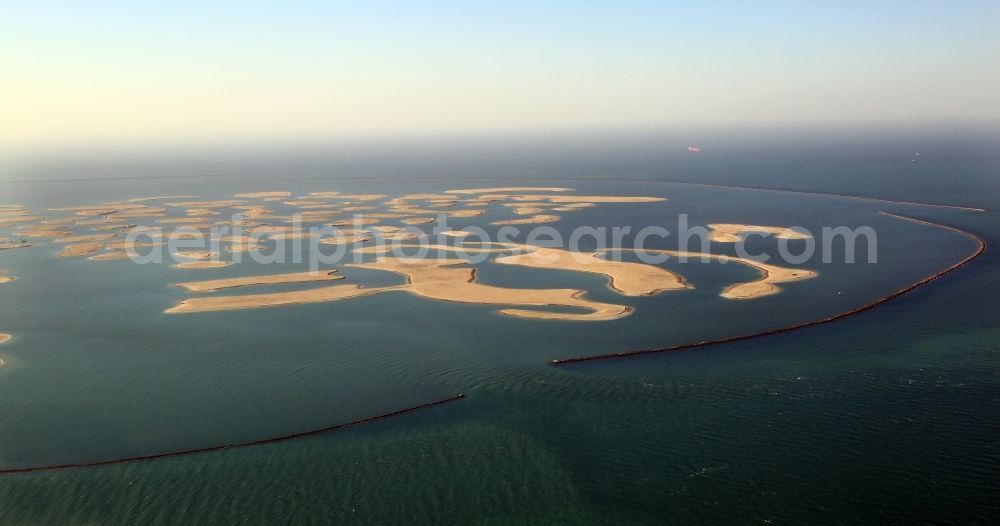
[(889, 415)]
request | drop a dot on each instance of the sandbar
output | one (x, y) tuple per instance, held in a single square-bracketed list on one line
[(213, 285), (3, 338), (527, 211)]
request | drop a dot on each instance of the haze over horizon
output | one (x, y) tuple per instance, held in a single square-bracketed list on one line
[(119, 72)]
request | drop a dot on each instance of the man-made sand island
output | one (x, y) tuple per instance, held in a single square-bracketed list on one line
[(276, 299), (536, 219), (767, 284), (263, 195), (627, 278), (446, 282), (730, 232), (203, 264), (269, 279), (429, 279), (80, 249), (509, 189)]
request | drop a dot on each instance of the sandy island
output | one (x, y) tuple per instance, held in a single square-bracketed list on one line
[(730, 232), (277, 299), (427, 278), (203, 264), (262, 195), (80, 249), (627, 278), (85, 238), (510, 189), (247, 281), (445, 282), (541, 218), (767, 284)]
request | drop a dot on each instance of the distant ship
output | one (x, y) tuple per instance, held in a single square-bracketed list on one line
[(694, 149)]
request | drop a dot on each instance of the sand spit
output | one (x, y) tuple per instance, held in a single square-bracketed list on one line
[(730, 232), (276, 299), (80, 249), (262, 195), (203, 264), (542, 218), (248, 281), (510, 189), (445, 282), (84, 238), (627, 278)]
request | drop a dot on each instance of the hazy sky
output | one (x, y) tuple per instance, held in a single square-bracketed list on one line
[(108, 71)]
